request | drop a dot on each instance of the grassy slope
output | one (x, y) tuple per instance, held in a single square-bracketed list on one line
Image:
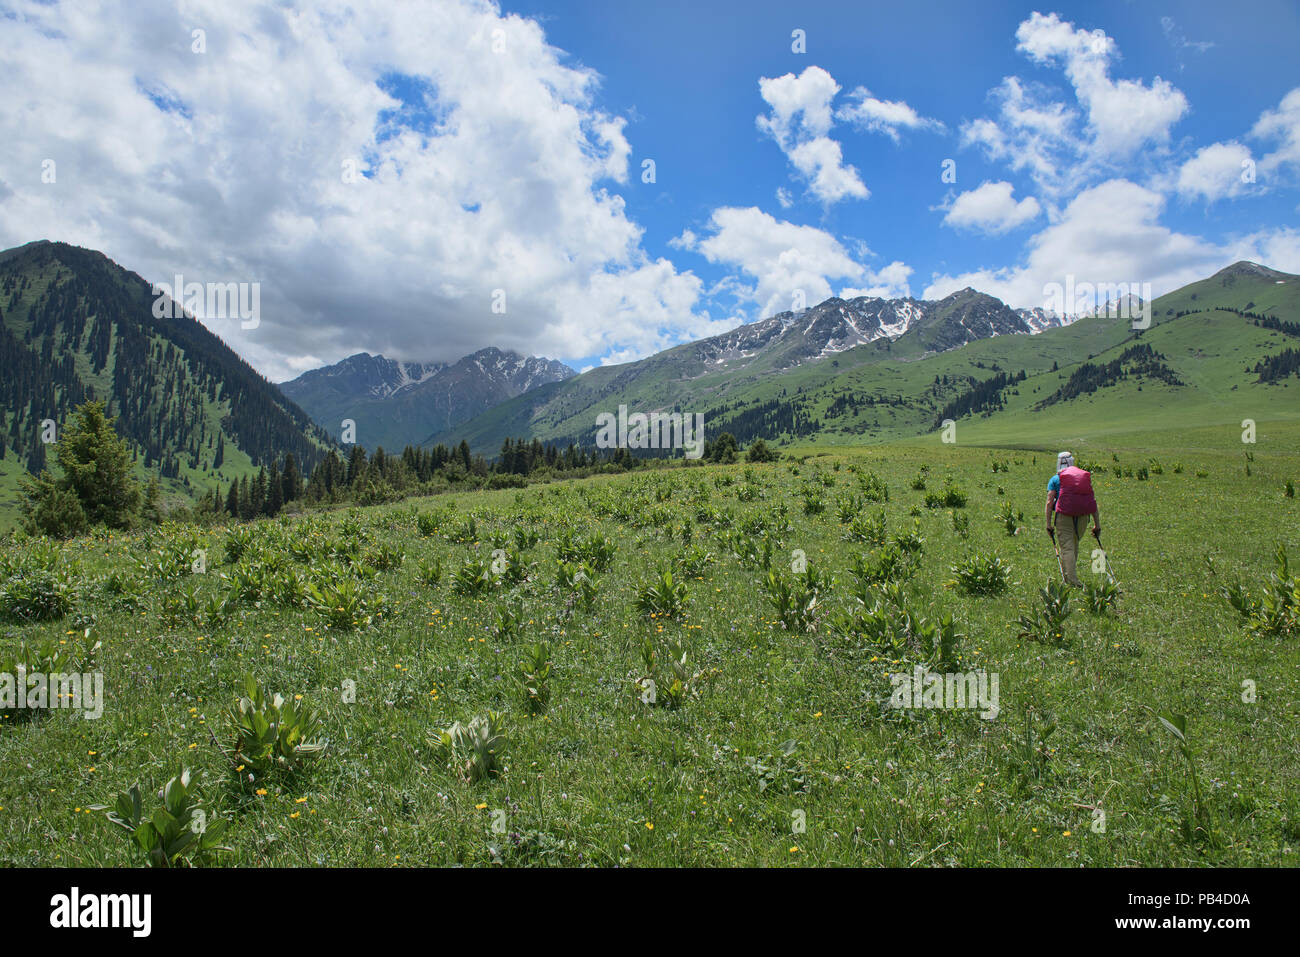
[(936, 788), (1210, 351), (235, 465)]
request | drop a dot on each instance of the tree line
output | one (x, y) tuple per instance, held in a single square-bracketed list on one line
[(96, 482)]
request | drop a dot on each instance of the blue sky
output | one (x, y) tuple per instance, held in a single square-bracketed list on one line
[(499, 196), (689, 77)]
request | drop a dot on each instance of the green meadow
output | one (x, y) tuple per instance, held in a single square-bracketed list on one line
[(767, 737)]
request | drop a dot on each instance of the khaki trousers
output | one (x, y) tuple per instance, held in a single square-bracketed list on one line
[(1070, 529)]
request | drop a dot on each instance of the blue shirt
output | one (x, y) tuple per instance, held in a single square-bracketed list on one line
[(1054, 484)]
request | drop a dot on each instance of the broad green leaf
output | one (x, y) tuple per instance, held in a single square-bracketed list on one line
[(1176, 723)]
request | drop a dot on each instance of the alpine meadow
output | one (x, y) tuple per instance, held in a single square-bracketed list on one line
[(554, 434)]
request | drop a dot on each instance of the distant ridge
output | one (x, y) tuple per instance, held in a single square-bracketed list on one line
[(395, 404)]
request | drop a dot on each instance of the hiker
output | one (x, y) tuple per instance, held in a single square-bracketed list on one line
[(1070, 503)]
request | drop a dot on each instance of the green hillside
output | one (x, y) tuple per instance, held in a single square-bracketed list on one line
[(1204, 334), (76, 326)]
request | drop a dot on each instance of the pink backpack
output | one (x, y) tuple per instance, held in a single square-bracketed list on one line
[(1075, 496)]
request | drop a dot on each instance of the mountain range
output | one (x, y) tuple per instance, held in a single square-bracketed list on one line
[(863, 369), (74, 325), (715, 366), (394, 404)]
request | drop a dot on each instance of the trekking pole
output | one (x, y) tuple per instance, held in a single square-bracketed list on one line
[(1051, 532), (1105, 557)]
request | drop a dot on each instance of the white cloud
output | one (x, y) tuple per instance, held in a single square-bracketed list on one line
[(888, 283), (1107, 234), (1214, 172), (1123, 115), (1276, 248), (821, 161), (485, 170), (782, 258), (801, 105), (990, 208), (883, 116), (1226, 170), (1062, 148), (1281, 125), (1034, 135), (800, 121)]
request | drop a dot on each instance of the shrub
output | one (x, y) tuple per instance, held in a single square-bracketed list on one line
[(272, 732), (473, 750), (848, 507), (429, 573), (506, 622), (598, 551), (911, 542), (873, 487), (761, 452), (579, 580), (239, 542), (474, 577), (386, 557), (794, 603), (466, 534), (982, 575), (535, 674), (663, 596), (46, 658), (884, 618), (123, 592), (888, 563), (52, 510), (1011, 518), (341, 603), (1276, 612), (951, 497), (1047, 623), (177, 834), (692, 561), (1099, 598), (36, 594), (867, 528), (664, 688)]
